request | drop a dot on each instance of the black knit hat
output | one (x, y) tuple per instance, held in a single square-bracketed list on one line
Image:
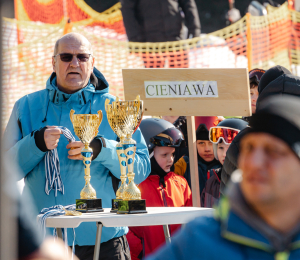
[(202, 132), (271, 84), (280, 117), (270, 75)]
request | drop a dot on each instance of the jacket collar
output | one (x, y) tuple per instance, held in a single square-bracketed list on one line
[(155, 177), (240, 226), (97, 84)]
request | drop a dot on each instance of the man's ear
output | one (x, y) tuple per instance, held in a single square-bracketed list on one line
[(53, 64), (93, 62)]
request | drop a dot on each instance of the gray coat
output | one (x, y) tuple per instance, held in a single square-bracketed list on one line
[(159, 20)]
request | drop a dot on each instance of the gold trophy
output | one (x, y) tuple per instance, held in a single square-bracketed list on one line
[(124, 118), (86, 128), (113, 118)]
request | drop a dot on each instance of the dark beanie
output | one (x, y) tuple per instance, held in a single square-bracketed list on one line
[(202, 132), (270, 75), (280, 117)]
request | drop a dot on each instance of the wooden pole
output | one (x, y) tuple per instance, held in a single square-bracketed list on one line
[(193, 161)]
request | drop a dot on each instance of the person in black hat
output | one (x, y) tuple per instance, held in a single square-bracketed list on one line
[(206, 159), (259, 217), (276, 81)]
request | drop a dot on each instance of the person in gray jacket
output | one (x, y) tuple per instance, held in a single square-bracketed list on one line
[(159, 20)]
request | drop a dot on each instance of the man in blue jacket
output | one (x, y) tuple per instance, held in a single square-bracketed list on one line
[(259, 218), (32, 131)]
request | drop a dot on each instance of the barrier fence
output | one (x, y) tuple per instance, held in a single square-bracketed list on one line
[(28, 45)]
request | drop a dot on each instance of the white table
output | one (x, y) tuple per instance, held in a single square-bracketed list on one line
[(156, 216)]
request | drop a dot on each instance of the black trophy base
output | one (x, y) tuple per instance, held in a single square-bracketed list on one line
[(89, 205), (114, 205), (132, 207)]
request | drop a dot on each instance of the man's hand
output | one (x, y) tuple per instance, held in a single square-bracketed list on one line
[(75, 150), (51, 137)]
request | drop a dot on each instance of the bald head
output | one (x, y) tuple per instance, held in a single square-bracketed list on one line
[(74, 70), (76, 38)]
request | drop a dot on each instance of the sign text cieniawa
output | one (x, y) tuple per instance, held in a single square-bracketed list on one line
[(180, 89)]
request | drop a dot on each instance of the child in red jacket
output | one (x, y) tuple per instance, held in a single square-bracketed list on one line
[(163, 188)]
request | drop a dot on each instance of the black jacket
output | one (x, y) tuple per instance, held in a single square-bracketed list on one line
[(285, 84), (159, 20), (231, 159), (211, 192)]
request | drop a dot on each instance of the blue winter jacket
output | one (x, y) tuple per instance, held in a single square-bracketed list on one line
[(28, 116), (225, 236)]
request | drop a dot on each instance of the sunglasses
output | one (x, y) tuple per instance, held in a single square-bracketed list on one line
[(255, 75), (68, 57), (225, 133)]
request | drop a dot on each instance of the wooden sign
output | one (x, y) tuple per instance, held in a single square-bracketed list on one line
[(190, 92)]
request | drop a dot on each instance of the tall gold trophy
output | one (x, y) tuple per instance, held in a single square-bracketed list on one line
[(124, 118), (86, 128), (114, 120)]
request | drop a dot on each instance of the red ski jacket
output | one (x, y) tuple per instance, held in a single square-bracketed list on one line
[(145, 240)]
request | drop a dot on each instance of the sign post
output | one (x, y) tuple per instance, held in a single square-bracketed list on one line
[(190, 92)]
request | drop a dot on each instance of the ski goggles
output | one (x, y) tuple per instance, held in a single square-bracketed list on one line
[(171, 137), (227, 134), (255, 75), (68, 57)]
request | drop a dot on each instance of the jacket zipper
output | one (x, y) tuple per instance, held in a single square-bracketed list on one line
[(163, 196), (165, 202)]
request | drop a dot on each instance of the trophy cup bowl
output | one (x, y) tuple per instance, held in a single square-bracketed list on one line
[(124, 118), (86, 128)]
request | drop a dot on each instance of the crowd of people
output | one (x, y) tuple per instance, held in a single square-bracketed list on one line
[(256, 214)]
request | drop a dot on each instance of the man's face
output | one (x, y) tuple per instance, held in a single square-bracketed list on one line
[(205, 150), (254, 97), (74, 75), (164, 156), (270, 169)]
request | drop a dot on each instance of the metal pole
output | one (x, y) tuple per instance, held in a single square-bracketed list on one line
[(249, 41), (98, 241), (167, 233), (59, 232)]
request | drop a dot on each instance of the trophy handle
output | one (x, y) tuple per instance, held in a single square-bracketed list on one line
[(71, 115), (100, 116), (106, 103), (140, 107)]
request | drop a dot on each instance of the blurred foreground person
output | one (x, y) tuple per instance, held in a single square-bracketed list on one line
[(260, 217), (30, 240), (163, 188)]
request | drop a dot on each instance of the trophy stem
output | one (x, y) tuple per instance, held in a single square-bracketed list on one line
[(122, 162), (88, 192), (132, 192)]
